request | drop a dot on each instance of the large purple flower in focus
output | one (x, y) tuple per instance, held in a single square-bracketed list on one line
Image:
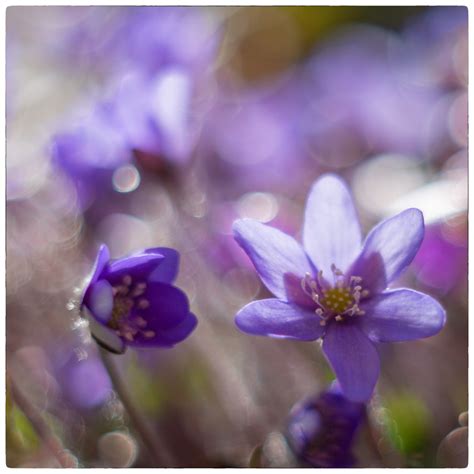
[(132, 302), (335, 288)]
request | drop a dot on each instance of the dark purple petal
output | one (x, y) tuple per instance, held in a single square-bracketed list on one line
[(138, 267), (168, 337), (331, 231), (402, 315), (275, 318), (389, 249), (168, 306), (353, 358), (167, 271), (273, 253)]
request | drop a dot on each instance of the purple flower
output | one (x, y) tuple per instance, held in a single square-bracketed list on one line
[(321, 429), (131, 301), (334, 287)]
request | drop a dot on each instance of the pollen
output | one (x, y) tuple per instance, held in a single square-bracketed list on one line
[(337, 299)]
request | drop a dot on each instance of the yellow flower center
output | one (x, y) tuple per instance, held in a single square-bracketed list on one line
[(337, 299)]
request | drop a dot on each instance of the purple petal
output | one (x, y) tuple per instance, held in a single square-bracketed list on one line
[(389, 249), (168, 306), (331, 232), (353, 358), (138, 267), (402, 315), (103, 257), (275, 318), (273, 253), (101, 261), (100, 301), (167, 271), (169, 337)]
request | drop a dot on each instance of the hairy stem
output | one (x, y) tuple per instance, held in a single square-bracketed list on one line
[(158, 454)]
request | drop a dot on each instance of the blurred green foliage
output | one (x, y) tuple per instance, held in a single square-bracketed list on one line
[(408, 423), (21, 438)]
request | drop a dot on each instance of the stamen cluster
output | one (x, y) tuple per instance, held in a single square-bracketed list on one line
[(336, 302), (127, 296)]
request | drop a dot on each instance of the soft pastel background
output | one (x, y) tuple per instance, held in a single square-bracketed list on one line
[(144, 127)]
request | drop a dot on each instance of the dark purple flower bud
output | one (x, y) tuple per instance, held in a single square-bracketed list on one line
[(131, 301), (321, 429)]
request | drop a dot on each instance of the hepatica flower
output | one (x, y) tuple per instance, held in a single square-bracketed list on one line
[(321, 429), (132, 302), (334, 287)]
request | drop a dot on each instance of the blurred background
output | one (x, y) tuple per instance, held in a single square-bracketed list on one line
[(158, 126)]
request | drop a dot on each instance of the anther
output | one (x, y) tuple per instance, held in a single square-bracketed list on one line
[(140, 322), (339, 318), (127, 280), (149, 334), (143, 304)]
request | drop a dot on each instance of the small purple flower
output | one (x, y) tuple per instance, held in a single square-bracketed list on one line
[(321, 429), (132, 302), (334, 287)]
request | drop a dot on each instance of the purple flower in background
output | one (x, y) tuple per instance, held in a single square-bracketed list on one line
[(132, 302), (84, 381), (321, 429), (334, 287), (90, 152)]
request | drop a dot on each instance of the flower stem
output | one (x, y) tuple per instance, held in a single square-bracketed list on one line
[(158, 454)]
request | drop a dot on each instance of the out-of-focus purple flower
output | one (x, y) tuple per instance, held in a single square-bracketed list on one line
[(251, 140), (157, 37), (132, 302), (84, 380), (90, 152), (440, 263), (136, 38), (155, 115), (334, 287), (359, 100), (321, 429), (435, 44)]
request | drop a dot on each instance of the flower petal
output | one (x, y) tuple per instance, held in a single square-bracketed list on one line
[(167, 271), (138, 267), (353, 358), (331, 231), (167, 306), (100, 300), (402, 315), (101, 261), (103, 257), (169, 337), (389, 249), (273, 253), (276, 318)]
